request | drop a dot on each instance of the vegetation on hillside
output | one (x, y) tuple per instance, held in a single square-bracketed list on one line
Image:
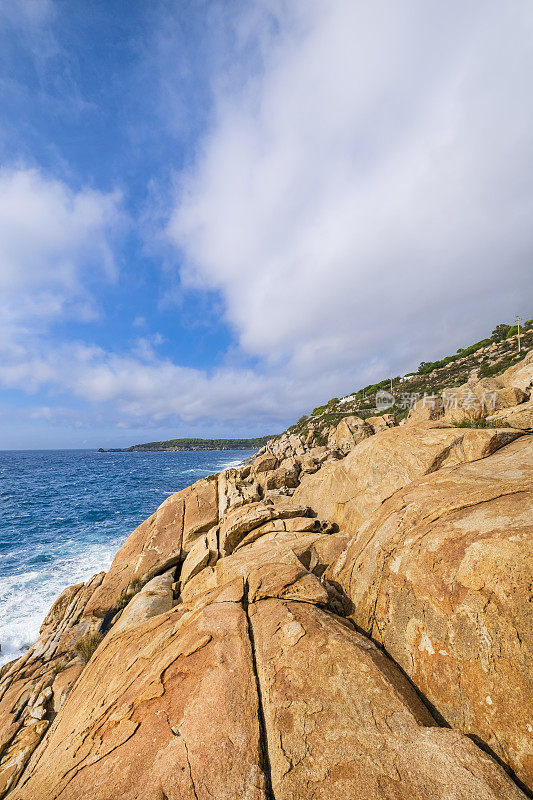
[(194, 444), (489, 357)]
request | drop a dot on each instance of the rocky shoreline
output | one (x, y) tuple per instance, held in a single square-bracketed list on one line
[(344, 616)]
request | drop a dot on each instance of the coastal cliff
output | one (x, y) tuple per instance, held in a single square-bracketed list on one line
[(345, 616)]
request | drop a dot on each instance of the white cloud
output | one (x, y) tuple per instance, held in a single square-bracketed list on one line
[(53, 241), (140, 388), (365, 196), (361, 201)]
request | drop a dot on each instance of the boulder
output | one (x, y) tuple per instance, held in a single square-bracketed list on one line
[(438, 575), (235, 489), (287, 582), (236, 524), (203, 552), (264, 463), (284, 476), (154, 598), (348, 433), (515, 417), (382, 422), (426, 409), (520, 375), (294, 524), (347, 491)]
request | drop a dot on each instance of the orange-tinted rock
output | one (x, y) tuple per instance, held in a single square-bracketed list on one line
[(516, 417), (347, 491), (439, 576), (63, 683), (236, 524), (27, 694), (342, 722), (154, 598), (168, 709), (349, 432), (287, 582)]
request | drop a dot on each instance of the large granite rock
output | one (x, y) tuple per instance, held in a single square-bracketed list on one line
[(252, 697), (341, 721), (515, 417), (349, 432), (239, 522), (168, 709), (34, 687), (347, 491), (154, 598), (438, 575)]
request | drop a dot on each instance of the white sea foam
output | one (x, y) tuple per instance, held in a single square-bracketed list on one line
[(26, 598), (80, 547)]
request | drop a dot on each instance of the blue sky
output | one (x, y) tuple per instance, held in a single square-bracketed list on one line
[(216, 215)]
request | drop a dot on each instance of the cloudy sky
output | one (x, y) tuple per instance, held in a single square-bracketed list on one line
[(215, 215)]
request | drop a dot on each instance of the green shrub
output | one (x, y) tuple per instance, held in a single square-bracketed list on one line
[(500, 332), (480, 422), (86, 646), (487, 371)]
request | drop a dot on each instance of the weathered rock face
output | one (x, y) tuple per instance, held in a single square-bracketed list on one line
[(239, 699), (167, 709), (438, 576), (238, 523), (155, 598), (347, 491), (35, 686), (515, 417), (227, 668), (341, 721), (236, 487), (521, 375), (349, 432)]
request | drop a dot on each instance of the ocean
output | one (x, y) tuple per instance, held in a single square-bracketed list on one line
[(65, 513)]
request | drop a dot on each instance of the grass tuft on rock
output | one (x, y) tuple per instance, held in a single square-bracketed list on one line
[(476, 422), (86, 646)]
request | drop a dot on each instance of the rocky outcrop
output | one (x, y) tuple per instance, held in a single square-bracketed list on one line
[(341, 720), (238, 699), (347, 491), (349, 432), (341, 621), (501, 397), (514, 417), (438, 576), (33, 688)]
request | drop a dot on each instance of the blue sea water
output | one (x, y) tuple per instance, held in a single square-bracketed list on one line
[(65, 513)]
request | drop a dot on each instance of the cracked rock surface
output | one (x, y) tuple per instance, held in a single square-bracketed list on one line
[(343, 622)]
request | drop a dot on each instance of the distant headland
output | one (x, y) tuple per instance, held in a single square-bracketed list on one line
[(192, 444)]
